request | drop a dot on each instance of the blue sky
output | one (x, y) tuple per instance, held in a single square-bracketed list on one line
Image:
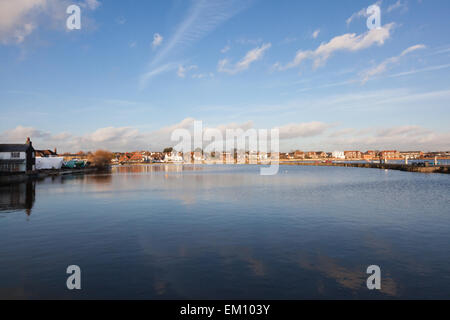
[(139, 69)]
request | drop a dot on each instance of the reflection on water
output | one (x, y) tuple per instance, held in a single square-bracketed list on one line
[(18, 196), (225, 232)]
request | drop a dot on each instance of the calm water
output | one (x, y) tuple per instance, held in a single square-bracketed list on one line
[(222, 232)]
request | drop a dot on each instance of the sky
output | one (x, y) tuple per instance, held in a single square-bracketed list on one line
[(139, 69)]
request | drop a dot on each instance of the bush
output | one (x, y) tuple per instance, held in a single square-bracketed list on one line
[(101, 158)]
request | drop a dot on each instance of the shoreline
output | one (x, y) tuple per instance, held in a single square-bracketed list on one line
[(24, 177), (443, 169)]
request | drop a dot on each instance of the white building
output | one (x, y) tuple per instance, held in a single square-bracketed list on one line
[(338, 155), (17, 157), (173, 157)]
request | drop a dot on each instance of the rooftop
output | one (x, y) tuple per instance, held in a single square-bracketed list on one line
[(14, 147)]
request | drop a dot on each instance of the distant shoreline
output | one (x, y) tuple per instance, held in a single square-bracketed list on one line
[(445, 169)]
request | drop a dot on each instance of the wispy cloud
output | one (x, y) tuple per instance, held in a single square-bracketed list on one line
[(382, 67), (154, 72), (360, 14), (346, 42), (428, 69), (397, 5), (202, 18), (251, 56)]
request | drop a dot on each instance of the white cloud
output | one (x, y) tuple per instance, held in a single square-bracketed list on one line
[(157, 40), (401, 131), (404, 138), (183, 70), (20, 133), (251, 56), (346, 42), (19, 18), (382, 67), (315, 34), (302, 130)]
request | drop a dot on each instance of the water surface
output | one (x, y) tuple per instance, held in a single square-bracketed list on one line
[(225, 232)]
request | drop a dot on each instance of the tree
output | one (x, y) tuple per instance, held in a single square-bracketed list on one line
[(168, 150), (101, 158)]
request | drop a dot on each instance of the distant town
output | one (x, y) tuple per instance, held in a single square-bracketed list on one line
[(23, 158), (170, 155)]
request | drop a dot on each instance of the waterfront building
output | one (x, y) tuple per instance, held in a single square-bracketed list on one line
[(299, 154), (411, 154), (46, 153), (321, 154), (17, 157), (338, 155), (353, 155), (390, 154), (173, 157), (311, 155)]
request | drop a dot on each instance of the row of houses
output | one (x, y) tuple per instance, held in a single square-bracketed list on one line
[(137, 157), (198, 156), (353, 155)]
